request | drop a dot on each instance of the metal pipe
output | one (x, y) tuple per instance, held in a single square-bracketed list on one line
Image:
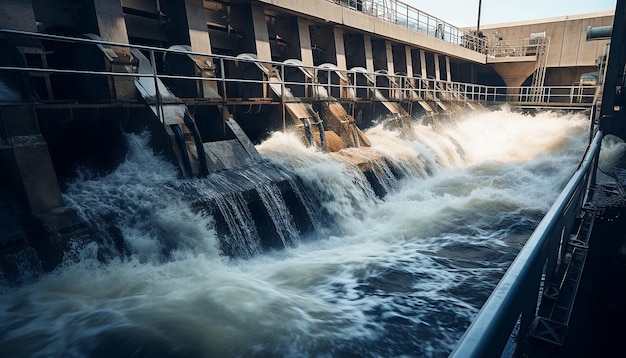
[(478, 24), (599, 33)]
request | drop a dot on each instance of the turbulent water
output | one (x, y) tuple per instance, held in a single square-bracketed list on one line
[(400, 274)]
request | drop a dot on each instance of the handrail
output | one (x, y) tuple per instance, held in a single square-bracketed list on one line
[(518, 291), (515, 48), (506, 303), (403, 84), (405, 15)]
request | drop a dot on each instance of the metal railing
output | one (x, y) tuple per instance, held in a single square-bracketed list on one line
[(514, 48), (514, 302), (517, 292), (405, 15), (342, 84)]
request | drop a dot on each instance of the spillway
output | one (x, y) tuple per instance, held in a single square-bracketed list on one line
[(392, 263)]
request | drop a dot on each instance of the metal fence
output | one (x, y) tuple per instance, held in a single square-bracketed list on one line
[(514, 48), (405, 15), (232, 78)]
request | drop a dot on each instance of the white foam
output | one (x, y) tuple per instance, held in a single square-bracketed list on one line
[(400, 275)]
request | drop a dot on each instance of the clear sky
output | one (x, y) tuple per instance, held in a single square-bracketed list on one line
[(464, 13)]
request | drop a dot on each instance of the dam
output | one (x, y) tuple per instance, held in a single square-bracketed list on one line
[(269, 178)]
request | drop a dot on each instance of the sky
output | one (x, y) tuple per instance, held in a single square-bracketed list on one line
[(464, 13)]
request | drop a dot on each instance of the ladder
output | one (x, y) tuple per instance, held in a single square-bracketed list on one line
[(539, 76)]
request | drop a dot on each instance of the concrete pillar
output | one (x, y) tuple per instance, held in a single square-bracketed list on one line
[(369, 57), (110, 20), (256, 37), (448, 76), (514, 74), (261, 35), (423, 64), (437, 70), (340, 49), (306, 54), (409, 61), (26, 160), (33, 173), (110, 26), (198, 33), (17, 15), (51, 225), (188, 26), (388, 50)]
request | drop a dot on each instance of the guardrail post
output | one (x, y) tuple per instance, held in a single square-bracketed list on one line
[(223, 80), (156, 89), (282, 96)]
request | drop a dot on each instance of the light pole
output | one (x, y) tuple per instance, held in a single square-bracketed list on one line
[(478, 25)]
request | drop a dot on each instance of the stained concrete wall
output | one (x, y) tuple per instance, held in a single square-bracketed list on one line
[(567, 34), (327, 12), (17, 15), (569, 54)]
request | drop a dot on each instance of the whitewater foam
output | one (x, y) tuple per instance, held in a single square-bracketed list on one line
[(398, 275)]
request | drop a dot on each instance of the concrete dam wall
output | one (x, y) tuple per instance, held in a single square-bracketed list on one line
[(209, 81)]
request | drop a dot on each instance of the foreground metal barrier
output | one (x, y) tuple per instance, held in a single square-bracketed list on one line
[(513, 304)]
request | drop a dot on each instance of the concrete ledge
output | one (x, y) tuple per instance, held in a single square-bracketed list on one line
[(359, 20), (329, 12), (511, 59)]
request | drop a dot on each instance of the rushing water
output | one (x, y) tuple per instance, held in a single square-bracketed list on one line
[(383, 276)]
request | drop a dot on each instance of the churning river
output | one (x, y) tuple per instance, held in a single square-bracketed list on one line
[(400, 274)]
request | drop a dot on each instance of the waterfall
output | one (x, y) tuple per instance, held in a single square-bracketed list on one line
[(310, 206), (279, 213), (244, 240), (297, 255), (233, 193)]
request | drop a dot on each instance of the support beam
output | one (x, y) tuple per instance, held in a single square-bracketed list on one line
[(514, 75), (261, 35), (409, 61), (388, 50), (199, 38), (17, 15), (423, 63), (28, 153), (369, 57), (306, 53), (110, 20), (340, 49)]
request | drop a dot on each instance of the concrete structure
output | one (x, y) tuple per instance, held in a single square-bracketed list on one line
[(240, 83), (569, 54), (236, 83), (323, 31)]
